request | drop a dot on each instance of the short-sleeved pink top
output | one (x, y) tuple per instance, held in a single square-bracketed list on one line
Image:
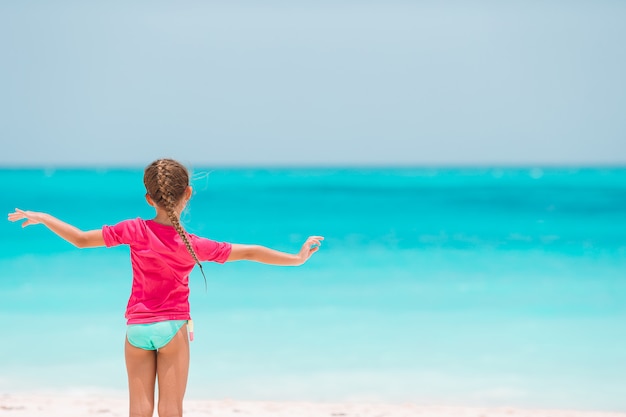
[(161, 266)]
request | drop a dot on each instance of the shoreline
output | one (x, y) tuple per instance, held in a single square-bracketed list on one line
[(115, 405)]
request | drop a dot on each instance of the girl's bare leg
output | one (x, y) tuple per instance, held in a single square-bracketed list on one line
[(141, 366), (172, 371)]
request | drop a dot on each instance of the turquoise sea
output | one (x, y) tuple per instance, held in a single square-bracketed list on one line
[(477, 286)]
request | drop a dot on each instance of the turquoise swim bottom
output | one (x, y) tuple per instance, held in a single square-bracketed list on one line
[(153, 336)]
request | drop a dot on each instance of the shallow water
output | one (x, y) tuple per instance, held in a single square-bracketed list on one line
[(454, 286)]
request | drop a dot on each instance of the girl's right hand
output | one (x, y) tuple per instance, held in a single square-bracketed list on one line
[(31, 217), (74, 235), (311, 246)]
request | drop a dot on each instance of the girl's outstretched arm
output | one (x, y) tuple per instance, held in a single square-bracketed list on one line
[(273, 257), (75, 236)]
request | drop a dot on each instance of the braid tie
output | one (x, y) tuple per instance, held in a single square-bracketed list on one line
[(167, 197)]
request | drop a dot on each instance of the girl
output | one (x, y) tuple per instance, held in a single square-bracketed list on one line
[(162, 256)]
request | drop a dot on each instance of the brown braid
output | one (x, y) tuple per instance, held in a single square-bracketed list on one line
[(166, 181)]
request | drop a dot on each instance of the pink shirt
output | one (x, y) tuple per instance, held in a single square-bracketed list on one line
[(161, 266)]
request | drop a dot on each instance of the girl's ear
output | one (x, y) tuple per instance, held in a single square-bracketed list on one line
[(188, 192), (149, 200)]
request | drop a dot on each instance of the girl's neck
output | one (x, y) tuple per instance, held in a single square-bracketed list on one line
[(162, 218)]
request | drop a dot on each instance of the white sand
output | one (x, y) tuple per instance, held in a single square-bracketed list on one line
[(37, 405)]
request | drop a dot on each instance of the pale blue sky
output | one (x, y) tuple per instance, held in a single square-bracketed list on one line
[(318, 82)]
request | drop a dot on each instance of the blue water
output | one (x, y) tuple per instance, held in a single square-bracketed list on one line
[(496, 287)]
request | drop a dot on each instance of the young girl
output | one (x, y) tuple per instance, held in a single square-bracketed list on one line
[(162, 256)]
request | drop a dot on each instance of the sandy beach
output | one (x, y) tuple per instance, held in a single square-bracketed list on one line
[(36, 405)]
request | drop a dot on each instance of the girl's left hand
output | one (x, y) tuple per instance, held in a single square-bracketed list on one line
[(31, 217), (311, 246)]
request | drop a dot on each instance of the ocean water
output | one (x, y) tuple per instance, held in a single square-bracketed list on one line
[(494, 287)]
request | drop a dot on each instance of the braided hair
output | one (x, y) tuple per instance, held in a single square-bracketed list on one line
[(166, 181)]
